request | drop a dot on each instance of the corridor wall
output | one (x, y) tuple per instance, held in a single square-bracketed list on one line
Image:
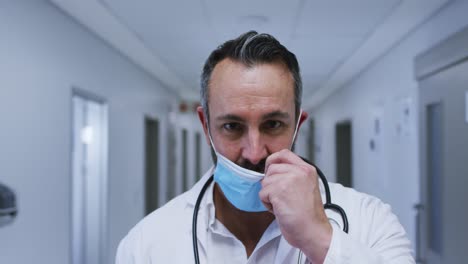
[(44, 54), (387, 91)]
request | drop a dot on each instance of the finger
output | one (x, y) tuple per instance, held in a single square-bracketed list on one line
[(280, 168), (264, 195), (274, 179), (281, 173), (283, 156)]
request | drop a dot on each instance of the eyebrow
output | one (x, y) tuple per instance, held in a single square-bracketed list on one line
[(274, 114), (230, 117)]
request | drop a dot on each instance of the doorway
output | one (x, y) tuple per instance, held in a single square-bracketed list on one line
[(151, 165), (343, 150), (89, 179), (311, 142), (198, 156), (184, 161)]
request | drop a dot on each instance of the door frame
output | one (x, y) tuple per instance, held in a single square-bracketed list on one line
[(103, 195)]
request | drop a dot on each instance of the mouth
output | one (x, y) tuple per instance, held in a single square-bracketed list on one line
[(259, 167)]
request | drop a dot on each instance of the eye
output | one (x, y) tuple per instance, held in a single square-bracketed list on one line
[(232, 127), (273, 124)]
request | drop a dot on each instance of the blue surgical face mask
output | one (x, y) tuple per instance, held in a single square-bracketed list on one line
[(239, 185)]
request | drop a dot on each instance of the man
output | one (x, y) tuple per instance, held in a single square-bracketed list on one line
[(266, 203)]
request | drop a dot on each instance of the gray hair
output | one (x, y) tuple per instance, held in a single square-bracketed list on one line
[(252, 48)]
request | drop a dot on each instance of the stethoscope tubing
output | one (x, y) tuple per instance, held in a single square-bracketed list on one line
[(195, 218)]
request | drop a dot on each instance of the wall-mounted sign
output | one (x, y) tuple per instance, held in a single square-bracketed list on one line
[(404, 114), (376, 140)]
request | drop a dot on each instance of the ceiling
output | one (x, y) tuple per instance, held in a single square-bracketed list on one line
[(334, 40)]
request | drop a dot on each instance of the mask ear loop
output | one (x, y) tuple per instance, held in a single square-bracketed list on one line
[(295, 130), (209, 135), (211, 140)]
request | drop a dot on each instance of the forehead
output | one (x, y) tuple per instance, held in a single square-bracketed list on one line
[(261, 87)]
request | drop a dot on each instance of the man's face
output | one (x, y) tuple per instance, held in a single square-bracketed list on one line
[(252, 111)]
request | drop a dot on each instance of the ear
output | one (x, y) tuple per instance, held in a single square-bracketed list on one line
[(302, 118), (204, 123)]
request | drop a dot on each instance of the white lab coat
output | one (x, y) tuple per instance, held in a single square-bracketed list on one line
[(165, 236)]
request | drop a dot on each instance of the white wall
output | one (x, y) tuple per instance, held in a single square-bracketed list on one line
[(392, 172), (43, 53)]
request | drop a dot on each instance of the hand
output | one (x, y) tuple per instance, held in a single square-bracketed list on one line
[(290, 190)]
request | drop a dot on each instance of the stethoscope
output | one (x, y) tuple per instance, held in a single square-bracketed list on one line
[(328, 205)]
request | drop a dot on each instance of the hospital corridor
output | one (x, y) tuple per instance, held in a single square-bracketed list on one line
[(104, 119)]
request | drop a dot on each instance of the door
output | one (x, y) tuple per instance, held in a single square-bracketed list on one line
[(151, 165), (311, 141), (443, 109), (343, 143), (198, 156), (89, 180), (184, 162)]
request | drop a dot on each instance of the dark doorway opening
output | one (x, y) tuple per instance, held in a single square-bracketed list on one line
[(343, 139), (184, 160), (198, 156), (311, 142), (151, 165)]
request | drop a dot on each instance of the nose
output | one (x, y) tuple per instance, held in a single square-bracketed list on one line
[(254, 149)]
